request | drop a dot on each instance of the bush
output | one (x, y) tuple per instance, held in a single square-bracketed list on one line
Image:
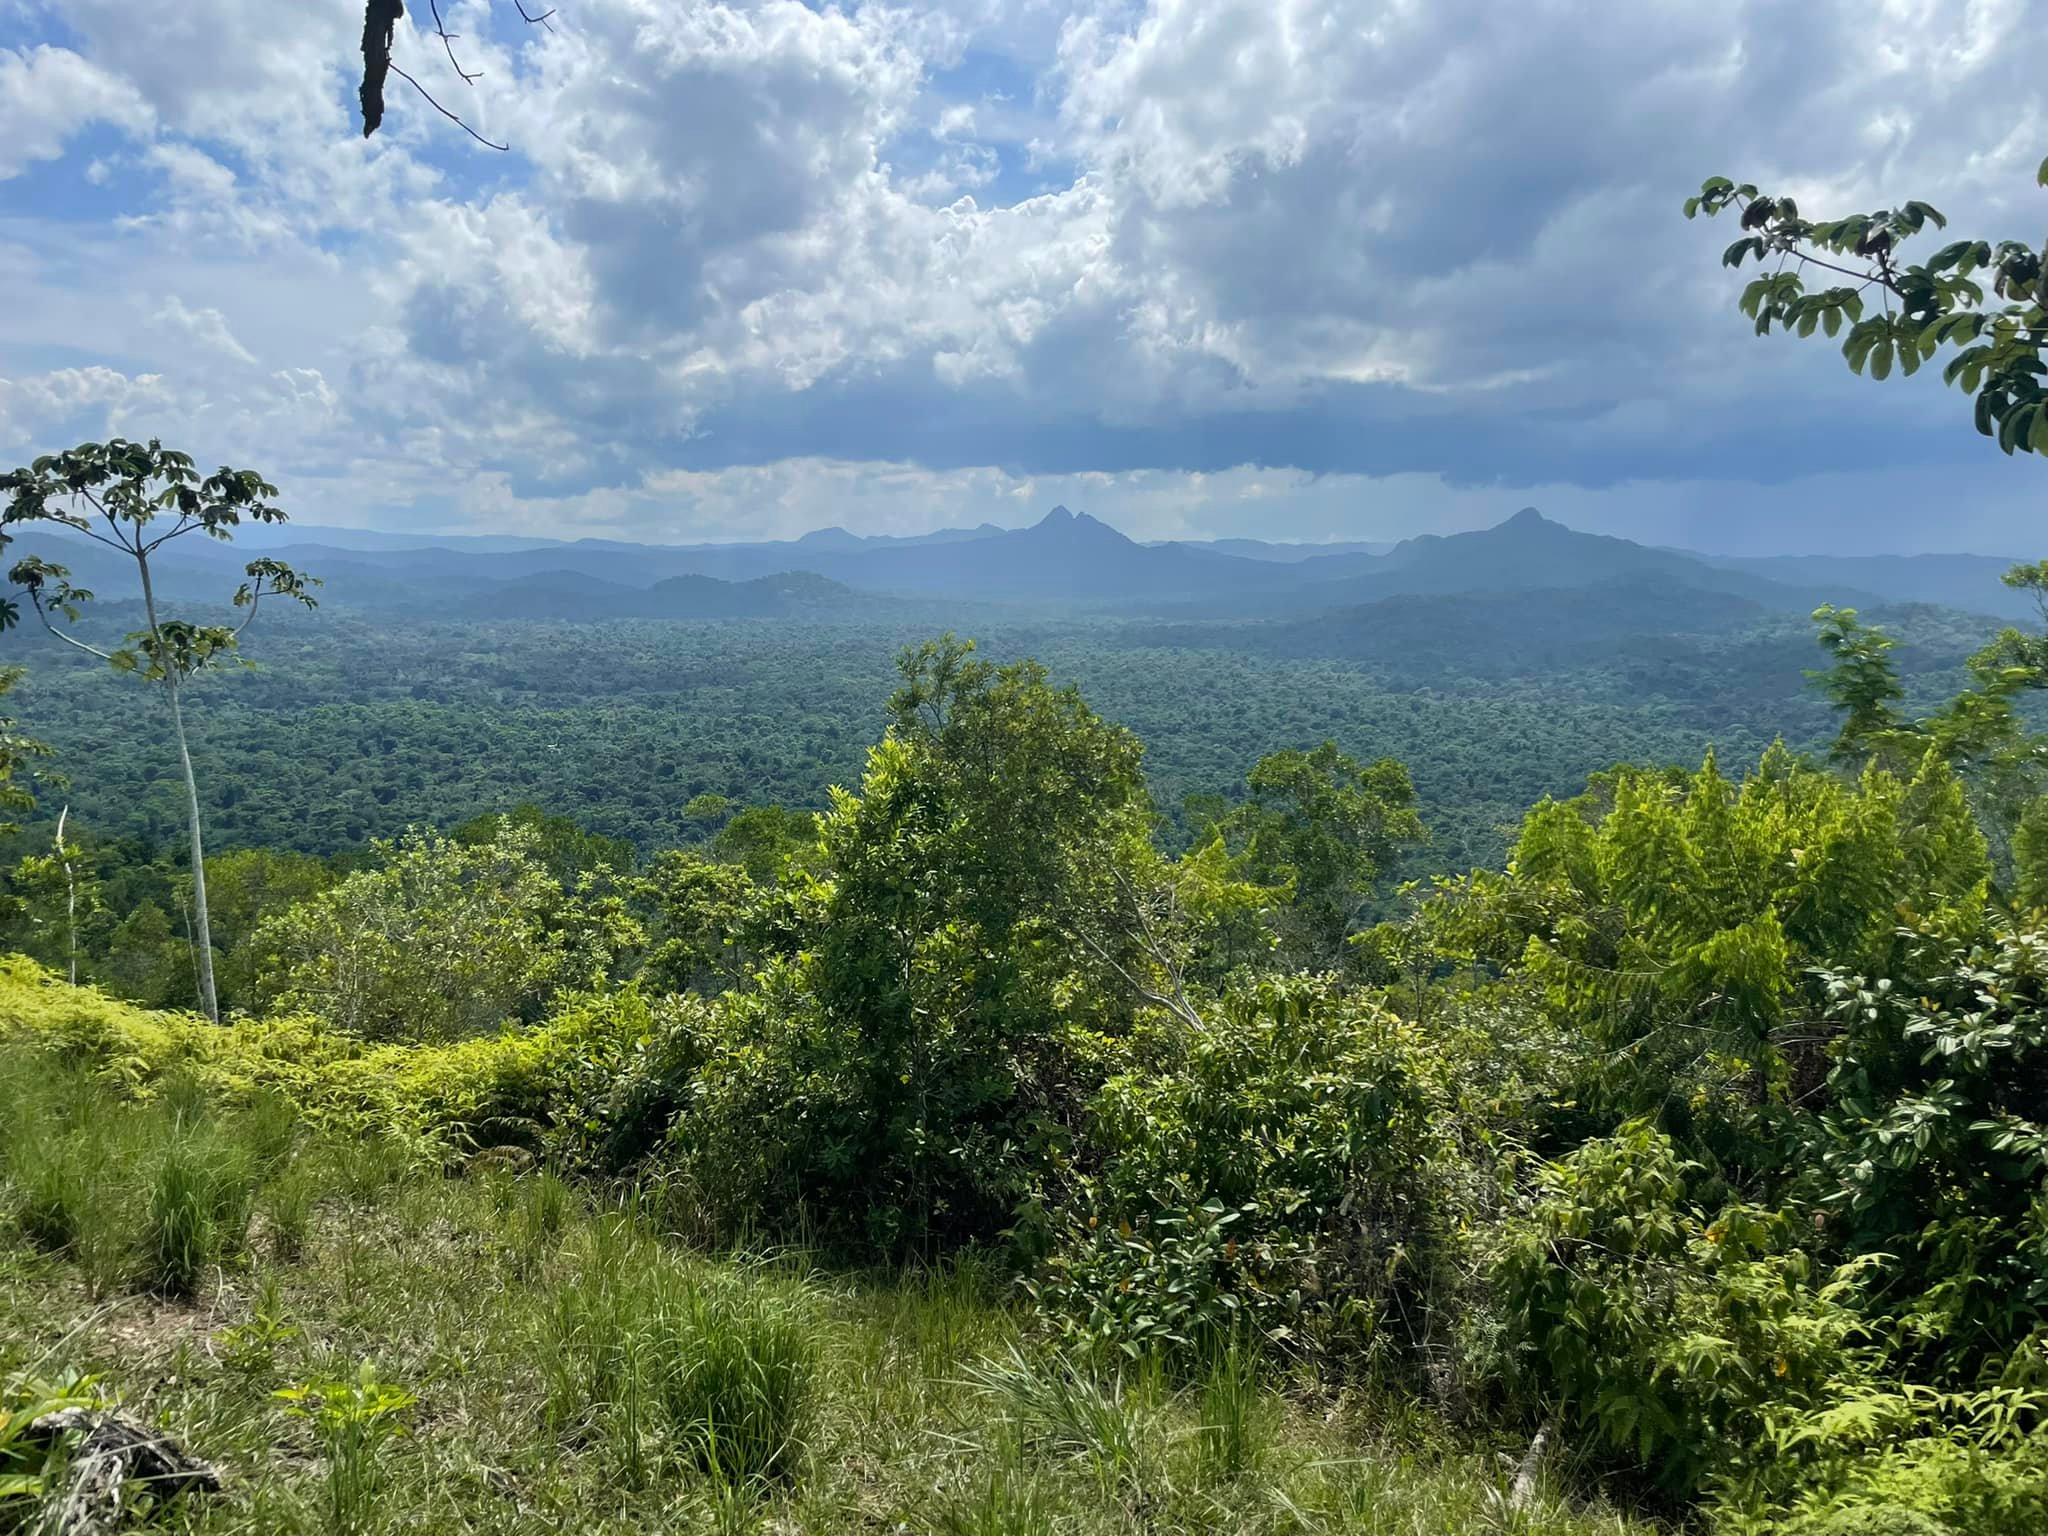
[(1297, 1170), (299, 1068), (1870, 1520), (1657, 1332), (443, 941)]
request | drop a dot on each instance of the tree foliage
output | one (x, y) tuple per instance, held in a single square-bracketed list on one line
[(1921, 307), (1326, 828), (135, 498), (442, 940)]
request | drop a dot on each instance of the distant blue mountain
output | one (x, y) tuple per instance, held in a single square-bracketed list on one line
[(1066, 558)]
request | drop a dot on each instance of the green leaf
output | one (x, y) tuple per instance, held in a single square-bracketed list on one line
[(1948, 255), (2018, 423), (1831, 319), (1881, 359), (2041, 176)]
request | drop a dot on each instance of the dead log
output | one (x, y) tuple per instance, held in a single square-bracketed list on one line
[(1524, 1488), (114, 1454)]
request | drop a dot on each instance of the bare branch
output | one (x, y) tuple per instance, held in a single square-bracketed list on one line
[(36, 601), (100, 538), (458, 122), (119, 540), (255, 600), (184, 524), (448, 42), (1178, 1006), (534, 21)]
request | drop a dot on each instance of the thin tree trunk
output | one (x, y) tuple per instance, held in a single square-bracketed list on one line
[(202, 931), (70, 895)]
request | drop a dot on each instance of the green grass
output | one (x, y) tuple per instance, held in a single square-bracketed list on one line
[(509, 1354)]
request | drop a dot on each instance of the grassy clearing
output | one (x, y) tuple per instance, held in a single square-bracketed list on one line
[(366, 1350)]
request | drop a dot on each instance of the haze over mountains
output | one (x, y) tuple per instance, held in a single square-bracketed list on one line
[(1068, 559)]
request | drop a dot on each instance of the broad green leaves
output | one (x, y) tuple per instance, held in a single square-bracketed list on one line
[(443, 941), (135, 498), (1923, 307)]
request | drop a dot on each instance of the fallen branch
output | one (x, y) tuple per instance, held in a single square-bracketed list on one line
[(1524, 1489), (114, 1452)]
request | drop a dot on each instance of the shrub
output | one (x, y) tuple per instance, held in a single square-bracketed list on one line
[(435, 1096), (444, 940), (1870, 1520), (1296, 1170), (1657, 1332)]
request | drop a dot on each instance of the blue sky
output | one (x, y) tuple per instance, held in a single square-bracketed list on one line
[(1288, 268)]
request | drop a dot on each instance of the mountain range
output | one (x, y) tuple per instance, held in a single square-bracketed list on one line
[(1067, 559)]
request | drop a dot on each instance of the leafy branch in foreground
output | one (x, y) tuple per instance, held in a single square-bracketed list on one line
[(1922, 307)]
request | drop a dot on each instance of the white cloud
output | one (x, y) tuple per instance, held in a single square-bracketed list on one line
[(47, 94), (1341, 234), (208, 327)]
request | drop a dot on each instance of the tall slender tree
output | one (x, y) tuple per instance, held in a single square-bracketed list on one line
[(136, 498)]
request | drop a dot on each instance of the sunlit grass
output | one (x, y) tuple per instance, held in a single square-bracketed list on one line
[(563, 1364)]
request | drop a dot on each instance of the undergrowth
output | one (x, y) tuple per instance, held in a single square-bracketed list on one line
[(368, 1346)]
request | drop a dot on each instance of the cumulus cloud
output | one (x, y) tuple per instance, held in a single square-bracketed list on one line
[(207, 327), (988, 247), (47, 94)]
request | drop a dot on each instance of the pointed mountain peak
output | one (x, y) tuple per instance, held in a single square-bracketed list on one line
[(1063, 528), (834, 537), (1529, 517)]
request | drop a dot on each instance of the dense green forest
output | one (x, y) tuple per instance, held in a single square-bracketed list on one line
[(351, 728), (1562, 1052), (1687, 1153)]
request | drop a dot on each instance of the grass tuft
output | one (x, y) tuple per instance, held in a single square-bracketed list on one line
[(199, 1205)]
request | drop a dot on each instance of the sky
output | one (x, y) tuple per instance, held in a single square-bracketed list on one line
[(1293, 269)]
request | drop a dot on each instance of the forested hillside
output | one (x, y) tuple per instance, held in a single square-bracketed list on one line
[(352, 728), (1013, 1031)]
